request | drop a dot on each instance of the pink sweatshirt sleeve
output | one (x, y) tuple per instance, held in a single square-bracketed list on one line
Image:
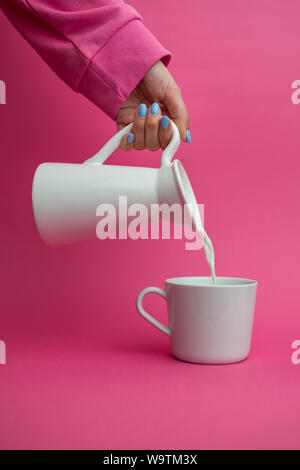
[(100, 48)]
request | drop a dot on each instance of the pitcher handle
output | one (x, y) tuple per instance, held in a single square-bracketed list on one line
[(166, 157)]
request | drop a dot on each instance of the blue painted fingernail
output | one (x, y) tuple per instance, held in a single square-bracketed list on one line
[(164, 122), (154, 108), (142, 110), (130, 138), (188, 137)]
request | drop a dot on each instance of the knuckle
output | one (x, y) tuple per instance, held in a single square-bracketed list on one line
[(139, 122), (166, 136), (139, 147), (138, 126), (152, 123), (153, 148)]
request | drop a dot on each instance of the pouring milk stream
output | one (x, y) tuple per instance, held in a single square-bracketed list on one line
[(65, 196)]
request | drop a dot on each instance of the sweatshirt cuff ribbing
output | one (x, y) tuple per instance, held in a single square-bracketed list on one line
[(119, 66)]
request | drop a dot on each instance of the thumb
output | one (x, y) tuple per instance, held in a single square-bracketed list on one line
[(178, 112)]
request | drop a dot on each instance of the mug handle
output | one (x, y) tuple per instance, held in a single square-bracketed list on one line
[(140, 308), (115, 141)]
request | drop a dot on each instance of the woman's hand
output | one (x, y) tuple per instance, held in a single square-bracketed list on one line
[(155, 100)]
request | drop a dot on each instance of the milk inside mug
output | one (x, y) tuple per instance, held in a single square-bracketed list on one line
[(208, 324)]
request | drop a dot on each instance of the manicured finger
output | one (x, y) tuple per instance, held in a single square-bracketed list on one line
[(127, 142), (165, 132), (178, 111), (138, 129), (152, 127)]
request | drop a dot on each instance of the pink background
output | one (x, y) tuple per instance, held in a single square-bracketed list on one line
[(83, 369)]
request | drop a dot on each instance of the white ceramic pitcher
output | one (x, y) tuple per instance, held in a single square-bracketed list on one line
[(65, 196)]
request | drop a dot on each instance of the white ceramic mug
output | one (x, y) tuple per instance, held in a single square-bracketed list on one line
[(209, 324)]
